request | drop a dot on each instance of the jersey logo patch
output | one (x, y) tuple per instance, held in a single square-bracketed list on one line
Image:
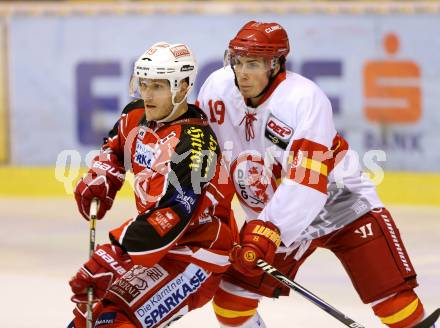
[(180, 51), (252, 181), (106, 319), (170, 297), (205, 217), (137, 282), (186, 200), (278, 132), (365, 231), (163, 220), (144, 155)]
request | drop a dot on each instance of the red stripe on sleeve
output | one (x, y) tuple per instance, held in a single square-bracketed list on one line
[(338, 151), (308, 163)]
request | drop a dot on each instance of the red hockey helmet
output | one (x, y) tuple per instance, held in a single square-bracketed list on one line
[(261, 40)]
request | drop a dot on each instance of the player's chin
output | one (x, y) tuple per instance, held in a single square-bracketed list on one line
[(150, 117), (248, 92), (151, 113)]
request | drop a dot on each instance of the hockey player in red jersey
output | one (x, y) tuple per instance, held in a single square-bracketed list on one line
[(169, 259), (278, 125)]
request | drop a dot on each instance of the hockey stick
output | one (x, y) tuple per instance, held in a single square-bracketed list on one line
[(430, 320), (270, 270), (93, 211)]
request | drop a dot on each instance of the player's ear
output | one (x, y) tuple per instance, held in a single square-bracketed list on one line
[(184, 84), (276, 69), (183, 87)]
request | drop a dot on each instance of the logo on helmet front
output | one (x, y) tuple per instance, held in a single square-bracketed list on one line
[(272, 29), (151, 51), (180, 51)]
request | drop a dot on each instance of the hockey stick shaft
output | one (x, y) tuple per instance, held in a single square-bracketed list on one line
[(270, 270), (429, 321), (93, 211)]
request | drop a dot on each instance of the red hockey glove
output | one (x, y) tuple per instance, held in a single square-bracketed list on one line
[(259, 240), (107, 263), (102, 181)]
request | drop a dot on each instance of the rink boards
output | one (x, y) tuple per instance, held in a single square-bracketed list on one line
[(396, 187)]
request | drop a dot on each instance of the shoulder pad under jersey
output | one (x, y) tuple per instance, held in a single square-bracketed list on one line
[(220, 81), (135, 104)]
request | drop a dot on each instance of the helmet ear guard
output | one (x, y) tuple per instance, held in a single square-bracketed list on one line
[(172, 62)]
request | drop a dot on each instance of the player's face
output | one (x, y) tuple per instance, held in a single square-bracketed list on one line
[(157, 98), (252, 74)]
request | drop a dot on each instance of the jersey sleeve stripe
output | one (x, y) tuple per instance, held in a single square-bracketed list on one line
[(218, 232), (315, 166), (309, 178), (338, 151), (308, 164), (208, 259)]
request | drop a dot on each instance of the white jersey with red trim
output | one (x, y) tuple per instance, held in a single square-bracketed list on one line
[(289, 135)]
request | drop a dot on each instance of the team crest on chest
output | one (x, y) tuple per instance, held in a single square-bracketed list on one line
[(278, 132), (253, 183)]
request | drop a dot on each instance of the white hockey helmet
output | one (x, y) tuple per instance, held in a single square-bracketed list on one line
[(173, 62)]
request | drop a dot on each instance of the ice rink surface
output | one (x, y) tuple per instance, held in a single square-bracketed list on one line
[(44, 241)]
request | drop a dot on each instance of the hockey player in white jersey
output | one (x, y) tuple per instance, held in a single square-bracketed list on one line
[(287, 162)]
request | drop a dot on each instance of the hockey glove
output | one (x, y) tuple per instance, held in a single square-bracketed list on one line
[(259, 240), (107, 263), (102, 181)]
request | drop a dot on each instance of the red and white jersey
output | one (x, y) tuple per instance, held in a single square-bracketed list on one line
[(182, 195), (289, 135)]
